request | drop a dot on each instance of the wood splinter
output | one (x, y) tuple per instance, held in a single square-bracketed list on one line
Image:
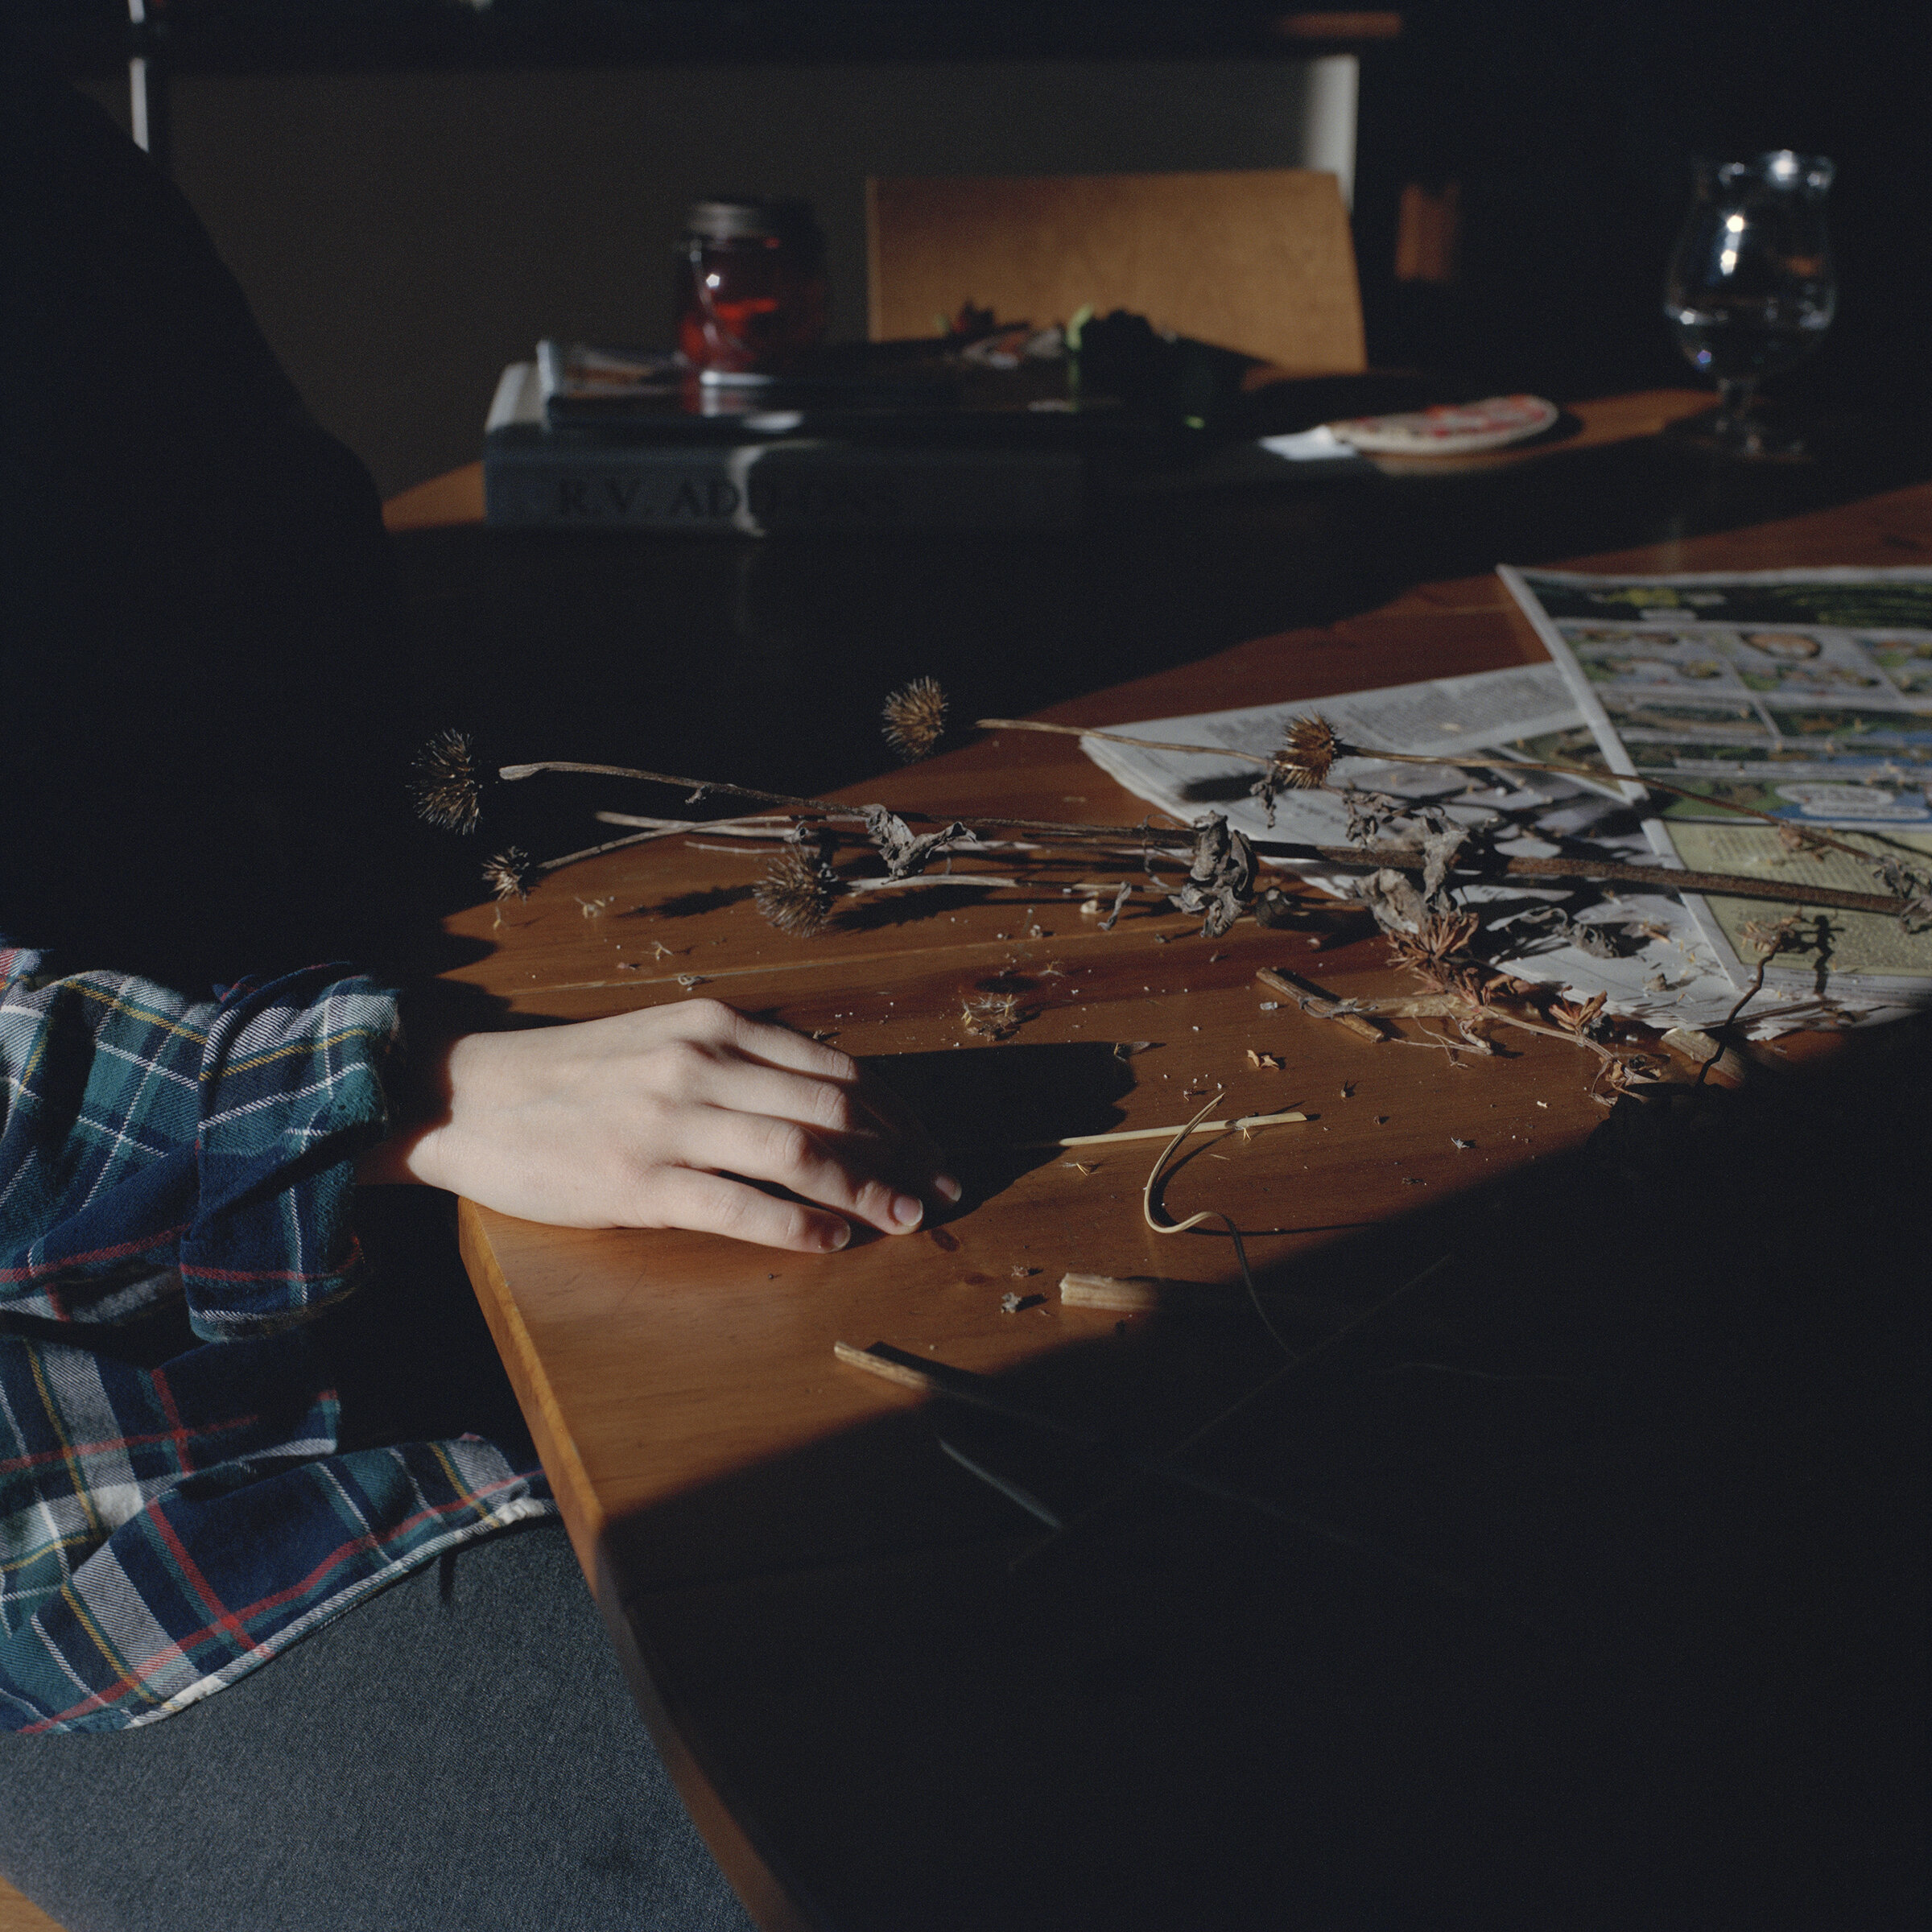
[(885, 1367)]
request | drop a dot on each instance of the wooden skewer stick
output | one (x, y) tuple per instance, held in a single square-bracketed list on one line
[(1154, 1134)]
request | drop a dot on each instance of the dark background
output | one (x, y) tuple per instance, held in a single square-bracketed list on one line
[(411, 190)]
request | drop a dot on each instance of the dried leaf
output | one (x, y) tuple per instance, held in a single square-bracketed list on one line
[(1914, 890), (904, 853), (1439, 854), (1267, 1063), (1220, 876)]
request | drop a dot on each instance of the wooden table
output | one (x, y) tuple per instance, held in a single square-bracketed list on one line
[(875, 1723)]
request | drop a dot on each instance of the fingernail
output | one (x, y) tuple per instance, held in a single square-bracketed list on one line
[(907, 1210), (946, 1188), (836, 1238)]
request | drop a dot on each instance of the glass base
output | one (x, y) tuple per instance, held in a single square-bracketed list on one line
[(1755, 438)]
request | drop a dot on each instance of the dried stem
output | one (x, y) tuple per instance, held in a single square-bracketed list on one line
[(1342, 749), (1171, 838)]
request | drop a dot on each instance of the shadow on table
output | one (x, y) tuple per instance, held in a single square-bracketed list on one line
[(1597, 1601)]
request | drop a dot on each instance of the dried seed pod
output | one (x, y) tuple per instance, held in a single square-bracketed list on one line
[(796, 892), (1308, 750), (448, 792), (915, 717), (508, 875)]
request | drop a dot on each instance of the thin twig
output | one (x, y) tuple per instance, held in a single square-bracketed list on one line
[(591, 851), (1402, 857), (1555, 767)]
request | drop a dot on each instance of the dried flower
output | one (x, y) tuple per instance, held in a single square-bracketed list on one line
[(1770, 938), (915, 717), (1430, 951), (447, 790), (1308, 750), (796, 892), (508, 875), (1577, 1018)]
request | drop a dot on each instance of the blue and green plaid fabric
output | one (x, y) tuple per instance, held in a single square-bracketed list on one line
[(164, 1529)]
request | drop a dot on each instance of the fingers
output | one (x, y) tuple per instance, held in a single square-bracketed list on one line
[(834, 1175), (771, 1070), (715, 1204)]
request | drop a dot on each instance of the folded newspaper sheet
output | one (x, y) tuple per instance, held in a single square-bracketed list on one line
[(1807, 694), (1662, 970)]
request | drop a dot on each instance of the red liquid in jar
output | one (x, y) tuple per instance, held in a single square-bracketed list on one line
[(752, 288)]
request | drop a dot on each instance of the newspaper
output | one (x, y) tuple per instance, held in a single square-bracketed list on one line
[(1662, 970), (1805, 694)]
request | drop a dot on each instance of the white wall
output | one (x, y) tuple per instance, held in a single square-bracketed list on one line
[(402, 236)]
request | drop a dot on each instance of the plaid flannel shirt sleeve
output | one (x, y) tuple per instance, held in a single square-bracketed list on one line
[(164, 1529), (152, 1142)]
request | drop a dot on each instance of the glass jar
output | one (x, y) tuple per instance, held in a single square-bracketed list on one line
[(751, 295)]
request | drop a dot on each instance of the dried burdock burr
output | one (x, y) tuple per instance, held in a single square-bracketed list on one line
[(508, 875), (796, 892), (445, 786), (915, 717), (1306, 753)]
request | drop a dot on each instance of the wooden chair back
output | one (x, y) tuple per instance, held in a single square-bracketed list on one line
[(1257, 260)]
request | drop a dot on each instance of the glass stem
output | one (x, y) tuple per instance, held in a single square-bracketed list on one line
[(1734, 394)]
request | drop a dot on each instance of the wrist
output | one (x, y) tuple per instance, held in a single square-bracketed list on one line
[(420, 1111)]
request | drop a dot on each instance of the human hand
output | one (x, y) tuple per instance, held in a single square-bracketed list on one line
[(663, 1118)]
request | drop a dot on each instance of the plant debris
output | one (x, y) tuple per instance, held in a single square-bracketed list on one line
[(446, 787), (991, 1016), (1220, 876), (508, 875), (905, 854), (798, 890), (915, 718), (1914, 888)]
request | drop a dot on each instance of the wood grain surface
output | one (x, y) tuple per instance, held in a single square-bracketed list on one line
[(18, 1914), (761, 1522)]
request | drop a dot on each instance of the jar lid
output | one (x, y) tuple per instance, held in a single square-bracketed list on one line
[(732, 218)]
